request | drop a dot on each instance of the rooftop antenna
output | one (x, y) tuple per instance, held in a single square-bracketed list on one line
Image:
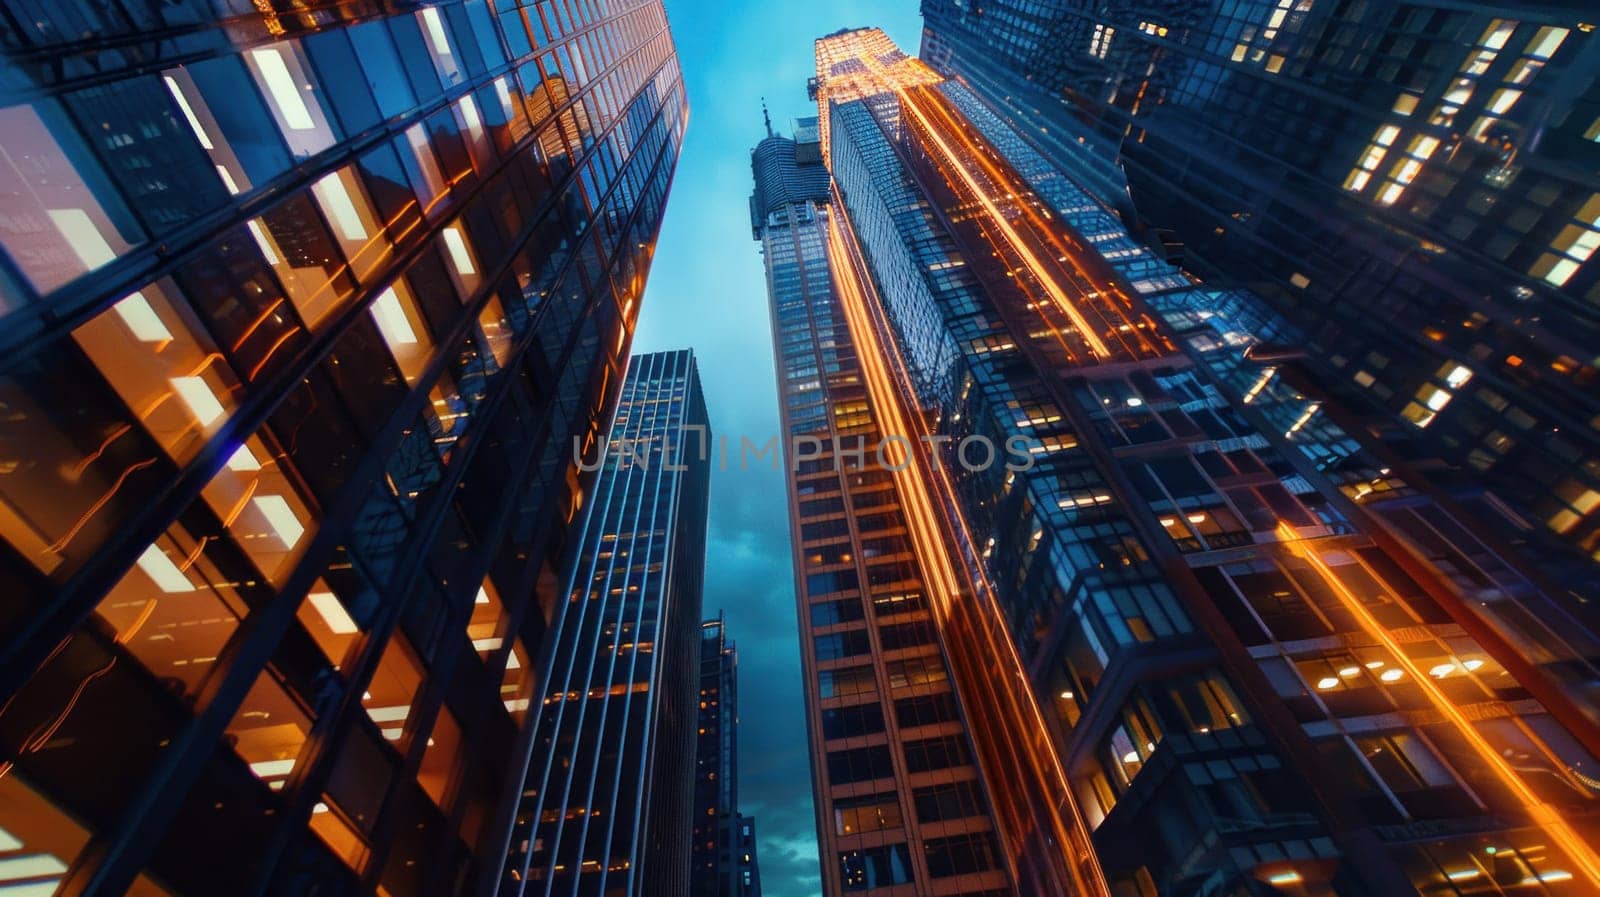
[(766, 116)]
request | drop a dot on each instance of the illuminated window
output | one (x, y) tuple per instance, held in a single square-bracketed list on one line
[(1100, 43), (356, 226), (53, 225), (437, 39), (264, 512), (460, 259), (175, 609), (287, 81), (440, 772), (1572, 246), (401, 325), (488, 615), (324, 616), (162, 365), (393, 690), (294, 240), (269, 730)]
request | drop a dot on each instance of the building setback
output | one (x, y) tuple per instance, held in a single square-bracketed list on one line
[(300, 316), (1413, 186), (608, 802), (1242, 668)]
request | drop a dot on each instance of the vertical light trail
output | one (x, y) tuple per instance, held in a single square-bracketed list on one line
[(1545, 816), (912, 482), (1036, 265)]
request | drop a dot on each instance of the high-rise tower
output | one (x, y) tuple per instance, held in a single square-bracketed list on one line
[(1411, 185), (724, 856), (1186, 616), (300, 313), (607, 807), (608, 800), (899, 797)]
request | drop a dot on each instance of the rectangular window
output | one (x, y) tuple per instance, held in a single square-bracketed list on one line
[(915, 671), (960, 855), (870, 813), (845, 681), (853, 721), (841, 644), (875, 867), (829, 613), (859, 765), (952, 800), (936, 753)]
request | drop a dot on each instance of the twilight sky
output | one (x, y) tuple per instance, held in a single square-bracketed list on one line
[(707, 291)]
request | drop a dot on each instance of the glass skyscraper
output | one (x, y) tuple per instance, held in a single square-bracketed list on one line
[(724, 849), (608, 801), (890, 740), (1411, 185), (1228, 648), (302, 308)]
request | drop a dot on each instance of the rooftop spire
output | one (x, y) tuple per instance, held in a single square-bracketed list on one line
[(766, 116)]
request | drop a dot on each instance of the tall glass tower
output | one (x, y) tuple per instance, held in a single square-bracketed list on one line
[(892, 755), (724, 852), (1168, 584), (1412, 185), (607, 804), (301, 310)]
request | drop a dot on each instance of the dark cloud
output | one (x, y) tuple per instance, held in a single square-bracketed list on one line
[(707, 290)]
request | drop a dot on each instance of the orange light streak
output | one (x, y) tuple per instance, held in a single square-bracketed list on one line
[(923, 527), (1018, 245), (60, 544), (1545, 816)]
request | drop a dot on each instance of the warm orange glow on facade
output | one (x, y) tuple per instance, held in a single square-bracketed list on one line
[(1545, 816), (1018, 755)]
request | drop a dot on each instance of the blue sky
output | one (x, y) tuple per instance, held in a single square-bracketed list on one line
[(707, 291)]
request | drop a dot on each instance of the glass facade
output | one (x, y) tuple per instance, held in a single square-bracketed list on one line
[(888, 732), (301, 312), (1410, 185), (1261, 658), (724, 848), (607, 805)]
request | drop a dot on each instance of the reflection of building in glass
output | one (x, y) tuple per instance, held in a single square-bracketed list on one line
[(1199, 642), (1411, 185), (724, 849), (608, 800), (300, 319)]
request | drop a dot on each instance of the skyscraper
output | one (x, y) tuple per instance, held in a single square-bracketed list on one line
[(301, 313), (608, 801), (725, 863), (1410, 185), (890, 741), (1251, 657)]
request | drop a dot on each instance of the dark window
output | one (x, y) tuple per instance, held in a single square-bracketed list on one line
[(959, 855), (905, 635), (936, 753), (829, 613), (850, 722), (841, 644), (836, 581), (926, 710), (952, 800), (859, 765)]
